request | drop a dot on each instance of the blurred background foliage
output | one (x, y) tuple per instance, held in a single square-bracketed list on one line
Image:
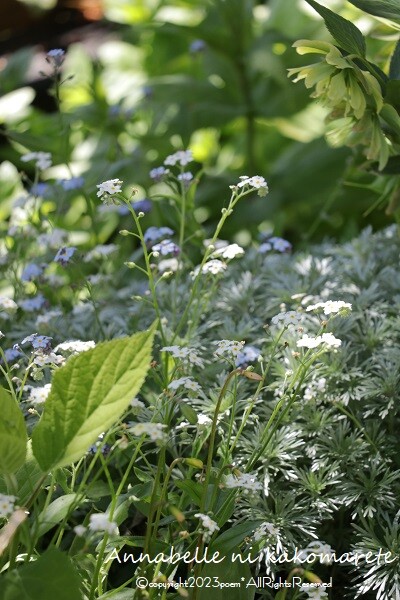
[(148, 77)]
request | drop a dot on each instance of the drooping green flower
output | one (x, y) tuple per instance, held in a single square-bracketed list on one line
[(353, 96)]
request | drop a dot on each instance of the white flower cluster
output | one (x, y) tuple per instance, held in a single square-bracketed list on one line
[(244, 481), (75, 346), (186, 354), (43, 159), (186, 382), (182, 157), (6, 505), (314, 388), (208, 526), (229, 252), (39, 395), (257, 183), (98, 522), (41, 360), (109, 188), (214, 266), (313, 342), (330, 307), (286, 319), (101, 522), (153, 430), (228, 348), (265, 529)]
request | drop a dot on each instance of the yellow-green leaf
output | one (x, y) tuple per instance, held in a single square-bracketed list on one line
[(13, 436), (88, 395)]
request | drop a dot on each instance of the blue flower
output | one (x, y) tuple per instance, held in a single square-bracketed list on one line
[(152, 234), (12, 354), (31, 272), (38, 342), (71, 184), (247, 355), (41, 189), (158, 173), (64, 255), (197, 46), (275, 243), (33, 304), (166, 247), (186, 178)]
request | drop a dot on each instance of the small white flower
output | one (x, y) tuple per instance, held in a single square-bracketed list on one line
[(208, 525), (244, 481), (39, 395), (75, 346), (171, 265), (308, 342), (186, 354), (286, 319), (8, 305), (6, 505), (203, 420), (256, 182), (314, 593), (326, 338), (228, 347), (43, 159), (330, 340), (137, 404), (214, 266), (330, 307), (265, 529), (153, 430), (229, 252), (80, 530), (41, 360), (186, 382), (182, 157), (109, 187), (101, 522)]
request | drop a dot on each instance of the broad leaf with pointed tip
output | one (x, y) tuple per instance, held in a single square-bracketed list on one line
[(87, 396), (13, 436)]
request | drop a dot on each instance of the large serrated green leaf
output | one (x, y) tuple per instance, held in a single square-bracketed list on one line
[(87, 396), (13, 436), (51, 576), (388, 9), (347, 35)]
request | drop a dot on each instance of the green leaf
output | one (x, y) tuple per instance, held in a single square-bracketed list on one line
[(192, 489), (55, 513), (231, 539), (388, 9), (28, 476), (228, 571), (188, 412), (13, 435), (394, 71), (51, 576), (347, 35), (87, 396)]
